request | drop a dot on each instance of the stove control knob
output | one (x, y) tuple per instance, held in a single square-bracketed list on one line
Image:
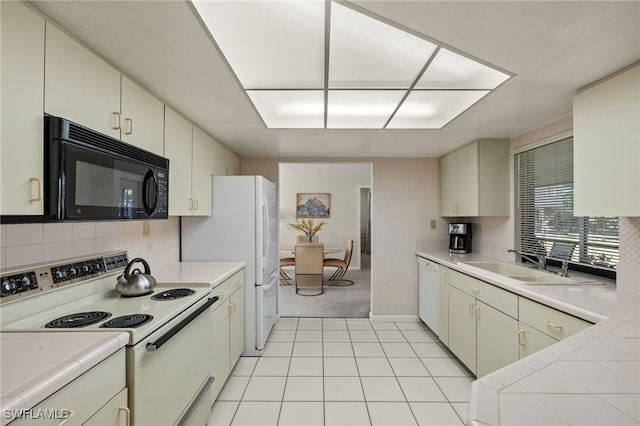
[(57, 275), (8, 286), (86, 269), (26, 282), (73, 271)]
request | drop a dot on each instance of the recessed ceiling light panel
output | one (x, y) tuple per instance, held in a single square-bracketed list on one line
[(432, 109), (269, 44), (449, 70), (290, 109), (366, 53), (361, 109)]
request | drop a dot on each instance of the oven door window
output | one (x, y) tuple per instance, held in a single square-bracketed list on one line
[(100, 186)]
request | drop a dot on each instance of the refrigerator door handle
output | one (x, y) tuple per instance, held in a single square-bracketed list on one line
[(268, 287), (266, 237)]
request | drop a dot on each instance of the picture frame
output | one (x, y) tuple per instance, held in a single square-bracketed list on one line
[(313, 205)]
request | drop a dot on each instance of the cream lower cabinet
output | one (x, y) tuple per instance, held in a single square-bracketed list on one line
[(22, 68), (97, 397), (227, 329), (490, 328), (542, 326), (483, 325), (443, 305), (495, 334), (462, 327), (221, 353)]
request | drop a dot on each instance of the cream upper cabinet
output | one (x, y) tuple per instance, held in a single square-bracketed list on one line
[(203, 157), (79, 85), (22, 102), (191, 153), (141, 118), (178, 141), (474, 180), (606, 147), (83, 88)]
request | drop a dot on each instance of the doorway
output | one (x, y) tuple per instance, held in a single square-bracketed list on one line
[(349, 216)]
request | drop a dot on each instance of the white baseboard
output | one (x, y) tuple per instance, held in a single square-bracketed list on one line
[(393, 318)]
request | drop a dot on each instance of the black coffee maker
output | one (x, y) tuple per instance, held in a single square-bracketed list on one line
[(460, 238)]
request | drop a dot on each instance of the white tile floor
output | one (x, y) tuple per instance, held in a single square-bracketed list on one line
[(337, 371)]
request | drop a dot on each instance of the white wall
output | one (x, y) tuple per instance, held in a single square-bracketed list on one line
[(342, 181)]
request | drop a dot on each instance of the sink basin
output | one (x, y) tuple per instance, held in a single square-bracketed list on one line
[(525, 275)]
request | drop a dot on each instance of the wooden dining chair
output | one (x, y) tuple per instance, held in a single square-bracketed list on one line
[(341, 266), (286, 261), (309, 268)]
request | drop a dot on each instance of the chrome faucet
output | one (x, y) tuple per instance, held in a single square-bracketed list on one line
[(539, 259)]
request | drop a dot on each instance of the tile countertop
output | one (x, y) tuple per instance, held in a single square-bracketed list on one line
[(212, 273), (34, 365), (592, 377)]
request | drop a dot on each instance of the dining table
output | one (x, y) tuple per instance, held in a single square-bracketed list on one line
[(289, 249)]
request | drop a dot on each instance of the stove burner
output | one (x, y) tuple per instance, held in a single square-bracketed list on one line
[(175, 293), (81, 319), (127, 321)]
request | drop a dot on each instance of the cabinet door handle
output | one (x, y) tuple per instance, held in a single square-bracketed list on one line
[(475, 290), (38, 197), (195, 204), (70, 413), (522, 340), (116, 121), (552, 325), (477, 311), (190, 203), (127, 414), (129, 123), (471, 308)]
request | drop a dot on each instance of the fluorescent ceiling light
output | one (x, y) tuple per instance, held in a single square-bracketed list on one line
[(432, 109), (449, 70), (292, 56), (290, 109), (369, 54), (269, 44), (361, 109)]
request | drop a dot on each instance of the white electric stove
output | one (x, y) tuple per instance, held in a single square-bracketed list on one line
[(170, 340)]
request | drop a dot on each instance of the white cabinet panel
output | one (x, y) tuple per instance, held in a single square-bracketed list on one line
[(202, 170), (22, 84), (142, 118), (474, 180), (178, 133), (497, 342), (462, 327), (79, 85), (606, 147)]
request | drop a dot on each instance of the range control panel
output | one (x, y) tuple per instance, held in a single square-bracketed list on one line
[(38, 278)]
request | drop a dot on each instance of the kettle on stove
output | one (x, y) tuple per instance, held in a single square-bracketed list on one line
[(136, 283)]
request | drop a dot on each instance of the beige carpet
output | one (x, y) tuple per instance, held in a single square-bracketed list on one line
[(336, 301)]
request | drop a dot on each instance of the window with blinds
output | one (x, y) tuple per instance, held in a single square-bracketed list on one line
[(545, 223)]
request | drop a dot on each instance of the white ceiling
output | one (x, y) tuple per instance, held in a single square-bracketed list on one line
[(553, 48)]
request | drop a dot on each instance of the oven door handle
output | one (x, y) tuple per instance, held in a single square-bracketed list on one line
[(154, 346)]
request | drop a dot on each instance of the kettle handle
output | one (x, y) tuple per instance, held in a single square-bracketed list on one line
[(126, 273)]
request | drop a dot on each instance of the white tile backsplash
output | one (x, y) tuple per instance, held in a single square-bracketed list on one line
[(26, 244)]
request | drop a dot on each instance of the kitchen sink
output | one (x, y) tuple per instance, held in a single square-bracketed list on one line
[(530, 275)]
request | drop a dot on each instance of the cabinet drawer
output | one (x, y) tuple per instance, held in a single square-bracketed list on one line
[(549, 320), (491, 295), (223, 290), (236, 281)]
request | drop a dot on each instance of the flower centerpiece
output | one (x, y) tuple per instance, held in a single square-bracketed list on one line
[(307, 226)]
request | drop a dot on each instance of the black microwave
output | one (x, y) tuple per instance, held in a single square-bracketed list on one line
[(89, 176)]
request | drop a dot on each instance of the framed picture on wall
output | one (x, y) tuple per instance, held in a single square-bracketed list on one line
[(310, 204)]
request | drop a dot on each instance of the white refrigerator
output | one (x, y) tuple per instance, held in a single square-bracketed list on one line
[(242, 227)]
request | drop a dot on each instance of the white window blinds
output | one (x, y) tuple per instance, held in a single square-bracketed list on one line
[(545, 223)]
